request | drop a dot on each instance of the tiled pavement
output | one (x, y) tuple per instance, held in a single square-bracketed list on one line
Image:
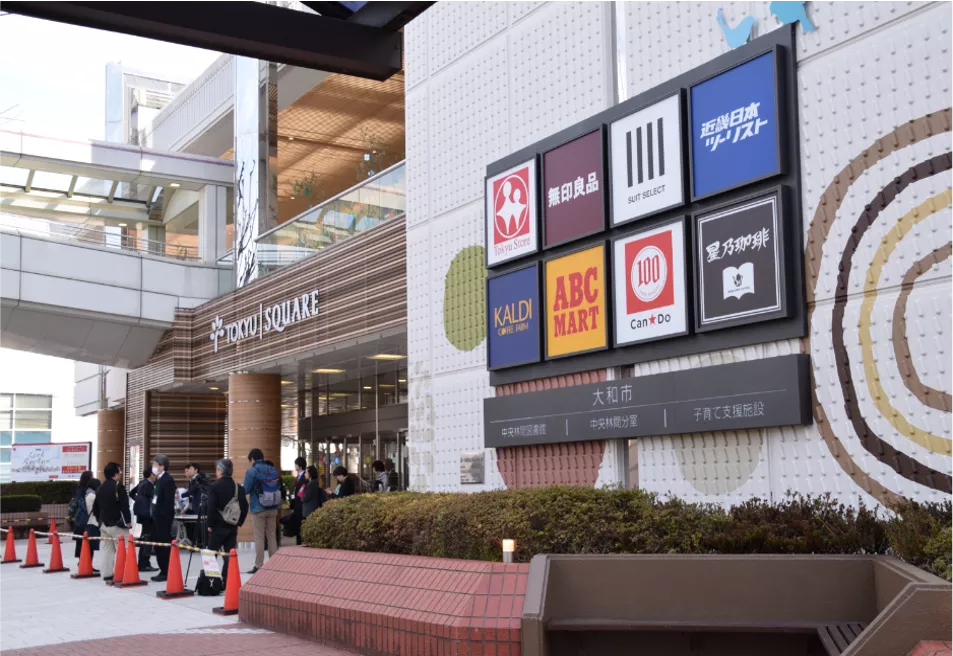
[(52, 613)]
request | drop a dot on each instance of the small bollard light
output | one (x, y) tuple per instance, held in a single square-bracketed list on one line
[(509, 546)]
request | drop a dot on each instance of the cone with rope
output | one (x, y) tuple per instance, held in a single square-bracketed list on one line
[(232, 587), (130, 577), (56, 557), (10, 552), (85, 561), (120, 567), (174, 588), (32, 560), (52, 530)]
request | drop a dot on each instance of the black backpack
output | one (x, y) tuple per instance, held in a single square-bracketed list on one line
[(76, 511), (208, 586)]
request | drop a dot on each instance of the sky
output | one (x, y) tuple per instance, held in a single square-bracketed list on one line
[(55, 74)]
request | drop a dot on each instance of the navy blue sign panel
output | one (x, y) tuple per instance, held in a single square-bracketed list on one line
[(735, 127), (513, 324)]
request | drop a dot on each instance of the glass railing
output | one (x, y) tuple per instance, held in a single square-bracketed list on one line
[(351, 212)]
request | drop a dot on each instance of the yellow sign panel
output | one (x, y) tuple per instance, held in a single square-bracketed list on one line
[(576, 303)]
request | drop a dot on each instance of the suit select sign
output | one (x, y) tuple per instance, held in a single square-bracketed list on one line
[(511, 213), (649, 284), (576, 303), (740, 262)]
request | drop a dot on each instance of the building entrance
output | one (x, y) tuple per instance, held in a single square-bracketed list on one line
[(357, 453)]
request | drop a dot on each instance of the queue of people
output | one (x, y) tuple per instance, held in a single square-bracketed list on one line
[(104, 509)]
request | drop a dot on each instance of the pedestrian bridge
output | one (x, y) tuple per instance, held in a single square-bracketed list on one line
[(100, 242)]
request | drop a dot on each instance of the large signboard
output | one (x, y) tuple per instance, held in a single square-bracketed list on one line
[(576, 319), (649, 284), (511, 219), (49, 462), (574, 190), (513, 319), (646, 161), (740, 264), (268, 318), (735, 127), (755, 394)]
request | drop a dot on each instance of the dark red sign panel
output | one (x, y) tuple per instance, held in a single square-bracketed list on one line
[(573, 190)]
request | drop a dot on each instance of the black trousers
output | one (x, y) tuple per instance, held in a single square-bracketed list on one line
[(225, 539), (145, 550), (162, 533)]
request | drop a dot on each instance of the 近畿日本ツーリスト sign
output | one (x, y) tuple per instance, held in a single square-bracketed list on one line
[(576, 319), (513, 330), (511, 222)]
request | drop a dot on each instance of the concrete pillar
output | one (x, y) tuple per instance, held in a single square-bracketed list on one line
[(212, 215), (111, 439), (254, 421), (256, 161)]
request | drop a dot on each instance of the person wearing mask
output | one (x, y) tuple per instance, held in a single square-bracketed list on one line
[(142, 508), (223, 524), (312, 496), (381, 480), (393, 480), (263, 485), (111, 508), (78, 512), (163, 512)]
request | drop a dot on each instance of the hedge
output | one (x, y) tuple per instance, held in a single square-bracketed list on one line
[(48, 491), (585, 520), (20, 503)]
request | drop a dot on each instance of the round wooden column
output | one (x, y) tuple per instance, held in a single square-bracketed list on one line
[(254, 422), (111, 439)]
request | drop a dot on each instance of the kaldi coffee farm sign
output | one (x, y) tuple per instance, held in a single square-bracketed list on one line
[(511, 214), (576, 303), (269, 318), (688, 196)]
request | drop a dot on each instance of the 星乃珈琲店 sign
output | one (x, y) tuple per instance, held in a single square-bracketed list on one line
[(576, 302)]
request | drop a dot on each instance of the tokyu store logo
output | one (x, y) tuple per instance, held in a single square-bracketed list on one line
[(511, 213), (273, 318)]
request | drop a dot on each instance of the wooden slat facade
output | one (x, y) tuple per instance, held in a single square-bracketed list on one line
[(362, 286), (187, 428)]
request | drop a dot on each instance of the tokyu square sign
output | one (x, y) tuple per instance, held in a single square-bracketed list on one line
[(270, 318), (666, 226)]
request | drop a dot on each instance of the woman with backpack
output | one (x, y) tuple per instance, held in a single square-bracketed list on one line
[(227, 510), (77, 513), (85, 515)]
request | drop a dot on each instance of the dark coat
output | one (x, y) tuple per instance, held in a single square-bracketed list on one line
[(111, 507), (219, 494), (296, 501), (163, 510), (197, 484), (313, 498)]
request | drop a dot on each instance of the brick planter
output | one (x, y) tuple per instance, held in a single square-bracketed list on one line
[(383, 604)]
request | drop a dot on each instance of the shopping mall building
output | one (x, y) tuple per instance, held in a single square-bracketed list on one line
[(701, 251)]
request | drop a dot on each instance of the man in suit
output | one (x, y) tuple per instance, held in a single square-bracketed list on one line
[(142, 507), (163, 512)]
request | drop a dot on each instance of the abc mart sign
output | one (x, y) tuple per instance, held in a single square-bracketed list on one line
[(271, 318)]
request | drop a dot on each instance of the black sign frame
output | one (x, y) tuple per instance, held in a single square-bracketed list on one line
[(696, 400), (782, 40)]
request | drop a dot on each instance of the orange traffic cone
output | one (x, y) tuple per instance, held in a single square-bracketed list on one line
[(52, 530), (56, 557), (232, 587), (85, 562), (120, 562), (130, 576), (10, 553), (32, 560), (174, 587)]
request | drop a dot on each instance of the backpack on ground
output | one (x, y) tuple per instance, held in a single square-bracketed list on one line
[(269, 495), (232, 511), (208, 586)]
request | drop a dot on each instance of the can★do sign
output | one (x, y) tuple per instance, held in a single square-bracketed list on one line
[(576, 303)]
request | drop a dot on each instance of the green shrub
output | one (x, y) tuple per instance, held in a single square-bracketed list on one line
[(586, 520), (20, 503), (48, 491)]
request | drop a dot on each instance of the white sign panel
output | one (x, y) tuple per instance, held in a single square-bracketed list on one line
[(210, 564), (649, 282), (269, 318), (646, 156), (49, 462), (511, 221)]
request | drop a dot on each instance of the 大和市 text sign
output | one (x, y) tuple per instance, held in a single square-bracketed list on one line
[(755, 394)]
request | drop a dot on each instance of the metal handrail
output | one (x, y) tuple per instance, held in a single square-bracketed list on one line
[(317, 208), (96, 236)]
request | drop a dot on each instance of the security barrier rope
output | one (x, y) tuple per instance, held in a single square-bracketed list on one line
[(130, 539)]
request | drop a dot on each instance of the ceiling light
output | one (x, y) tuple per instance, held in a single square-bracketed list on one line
[(122, 225), (385, 386), (291, 138), (286, 382), (214, 389), (386, 356), (174, 184), (329, 371), (368, 387), (292, 198), (401, 380), (285, 405)]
